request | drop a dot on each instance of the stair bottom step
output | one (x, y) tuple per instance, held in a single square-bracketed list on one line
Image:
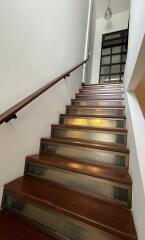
[(61, 226), (13, 228)]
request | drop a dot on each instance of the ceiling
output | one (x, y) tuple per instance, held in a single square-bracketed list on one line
[(116, 5)]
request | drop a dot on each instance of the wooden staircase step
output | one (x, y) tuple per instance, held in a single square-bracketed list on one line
[(88, 145), (100, 102), (119, 130), (110, 218), (97, 154), (95, 107), (101, 91), (107, 184), (14, 228), (95, 111), (94, 116), (103, 85), (111, 174), (100, 96), (88, 134), (94, 121)]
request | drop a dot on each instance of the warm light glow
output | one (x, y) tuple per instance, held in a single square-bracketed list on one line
[(74, 165)]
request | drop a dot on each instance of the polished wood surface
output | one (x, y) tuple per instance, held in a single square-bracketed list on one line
[(5, 116), (14, 228), (87, 145), (111, 174), (105, 216)]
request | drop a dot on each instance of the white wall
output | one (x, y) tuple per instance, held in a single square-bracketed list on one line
[(39, 39), (91, 41), (118, 22), (134, 73)]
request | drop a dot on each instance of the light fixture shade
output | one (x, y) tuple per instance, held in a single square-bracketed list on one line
[(108, 13)]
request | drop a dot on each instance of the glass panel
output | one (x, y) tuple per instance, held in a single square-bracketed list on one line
[(116, 58), (104, 79), (115, 78), (112, 36), (113, 42), (94, 122), (92, 136), (91, 186), (99, 111), (116, 49), (124, 58), (86, 155), (98, 103), (106, 51), (124, 48), (122, 76), (106, 60), (105, 70), (115, 69), (123, 68), (55, 223)]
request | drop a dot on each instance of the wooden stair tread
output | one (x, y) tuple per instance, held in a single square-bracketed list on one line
[(14, 228), (111, 174), (106, 216), (87, 145), (80, 127), (93, 116)]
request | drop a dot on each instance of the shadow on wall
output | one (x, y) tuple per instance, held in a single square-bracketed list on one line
[(140, 94)]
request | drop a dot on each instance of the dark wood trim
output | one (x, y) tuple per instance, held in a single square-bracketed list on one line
[(11, 112), (114, 117)]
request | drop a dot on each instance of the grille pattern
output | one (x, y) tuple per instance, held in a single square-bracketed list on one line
[(92, 186), (94, 156)]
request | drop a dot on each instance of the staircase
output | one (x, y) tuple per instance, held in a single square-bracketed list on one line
[(78, 186)]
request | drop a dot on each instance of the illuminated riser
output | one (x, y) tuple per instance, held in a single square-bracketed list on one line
[(98, 103), (90, 136), (84, 154), (100, 96), (54, 223), (98, 91), (92, 186), (96, 111), (93, 122)]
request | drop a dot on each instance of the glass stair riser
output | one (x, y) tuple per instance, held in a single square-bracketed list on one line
[(86, 154), (93, 122), (92, 136), (98, 103), (95, 187), (100, 96), (53, 222), (96, 111)]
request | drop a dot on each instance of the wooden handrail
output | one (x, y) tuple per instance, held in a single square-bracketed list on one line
[(11, 112)]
